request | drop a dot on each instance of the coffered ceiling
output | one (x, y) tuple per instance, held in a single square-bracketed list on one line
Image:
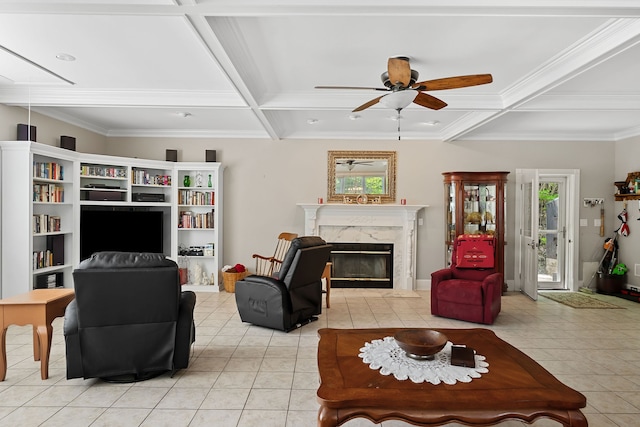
[(562, 69)]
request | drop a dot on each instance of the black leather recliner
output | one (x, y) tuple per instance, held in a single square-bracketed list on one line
[(130, 320), (294, 297)]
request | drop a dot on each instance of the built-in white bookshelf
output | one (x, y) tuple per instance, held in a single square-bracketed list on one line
[(198, 228), (44, 191), (38, 217)]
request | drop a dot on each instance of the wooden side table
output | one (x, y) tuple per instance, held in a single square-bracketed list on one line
[(38, 308), (326, 274)]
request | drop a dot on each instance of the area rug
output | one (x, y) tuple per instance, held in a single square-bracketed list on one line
[(577, 300)]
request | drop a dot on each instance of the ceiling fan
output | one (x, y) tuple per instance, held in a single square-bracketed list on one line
[(400, 83), (352, 163)]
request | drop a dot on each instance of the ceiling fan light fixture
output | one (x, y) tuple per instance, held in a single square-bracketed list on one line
[(400, 99)]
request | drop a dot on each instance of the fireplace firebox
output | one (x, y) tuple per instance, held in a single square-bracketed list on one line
[(362, 265)]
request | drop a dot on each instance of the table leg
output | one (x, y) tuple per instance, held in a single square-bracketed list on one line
[(3, 354), (327, 417), (36, 344), (45, 333), (326, 274)]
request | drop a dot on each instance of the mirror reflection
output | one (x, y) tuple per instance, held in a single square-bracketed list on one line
[(361, 173)]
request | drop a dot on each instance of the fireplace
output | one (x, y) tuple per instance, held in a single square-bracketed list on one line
[(371, 223), (362, 265)]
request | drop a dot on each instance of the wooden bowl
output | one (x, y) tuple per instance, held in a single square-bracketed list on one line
[(420, 343)]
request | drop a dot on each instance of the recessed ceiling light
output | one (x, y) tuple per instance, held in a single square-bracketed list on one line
[(432, 123), (184, 114), (65, 57), (354, 116), (312, 121)]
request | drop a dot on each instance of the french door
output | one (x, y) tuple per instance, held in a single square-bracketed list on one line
[(546, 222)]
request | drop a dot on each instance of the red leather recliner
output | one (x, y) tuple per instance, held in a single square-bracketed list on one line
[(469, 294)]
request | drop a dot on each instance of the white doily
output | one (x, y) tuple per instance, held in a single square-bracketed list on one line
[(385, 355)]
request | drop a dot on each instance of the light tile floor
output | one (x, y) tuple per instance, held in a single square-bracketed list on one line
[(243, 375)]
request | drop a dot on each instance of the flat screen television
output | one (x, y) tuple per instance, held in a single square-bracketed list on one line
[(120, 230)]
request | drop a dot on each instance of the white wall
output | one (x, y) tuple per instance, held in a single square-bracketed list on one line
[(264, 181), (48, 130), (627, 159)]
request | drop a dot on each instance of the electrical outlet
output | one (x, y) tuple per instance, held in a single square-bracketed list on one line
[(636, 269)]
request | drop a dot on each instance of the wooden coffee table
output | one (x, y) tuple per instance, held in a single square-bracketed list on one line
[(38, 308), (515, 386)]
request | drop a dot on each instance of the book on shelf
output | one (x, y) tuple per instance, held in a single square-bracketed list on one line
[(195, 197), (48, 170), (103, 171), (44, 223), (42, 259), (52, 256), (48, 281), (143, 177), (190, 219), (48, 193)]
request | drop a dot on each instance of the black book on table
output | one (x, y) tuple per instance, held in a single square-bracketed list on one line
[(463, 356)]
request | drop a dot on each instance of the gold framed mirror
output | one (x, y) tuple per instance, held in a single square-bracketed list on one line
[(361, 176)]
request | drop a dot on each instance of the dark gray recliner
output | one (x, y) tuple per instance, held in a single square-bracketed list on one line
[(292, 298), (130, 320)]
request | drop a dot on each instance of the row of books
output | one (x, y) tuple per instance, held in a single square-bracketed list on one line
[(103, 171), (192, 197), (49, 281), (43, 259), (142, 177), (50, 193), (195, 220), (43, 223), (48, 170)]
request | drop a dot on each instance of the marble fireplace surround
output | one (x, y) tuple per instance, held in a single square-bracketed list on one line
[(371, 223)]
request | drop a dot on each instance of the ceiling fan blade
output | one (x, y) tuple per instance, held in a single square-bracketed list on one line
[(367, 104), (429, 101), (454, 82), (353, 87), (399, 71)]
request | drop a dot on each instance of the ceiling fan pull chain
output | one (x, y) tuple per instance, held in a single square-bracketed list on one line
[(399, 117)]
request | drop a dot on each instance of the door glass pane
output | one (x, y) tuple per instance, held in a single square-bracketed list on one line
[(548, 231), (527, 209), (480, 209)]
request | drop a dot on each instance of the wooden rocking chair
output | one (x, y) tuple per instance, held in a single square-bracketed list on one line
[(268, 266)]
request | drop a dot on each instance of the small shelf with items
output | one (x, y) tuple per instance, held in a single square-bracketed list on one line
[(150, 186), (628, 189), (101, 183)]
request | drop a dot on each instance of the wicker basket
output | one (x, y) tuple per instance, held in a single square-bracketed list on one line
[(229, 280)]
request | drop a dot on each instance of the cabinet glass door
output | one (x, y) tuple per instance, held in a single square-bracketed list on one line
[(480, 209)]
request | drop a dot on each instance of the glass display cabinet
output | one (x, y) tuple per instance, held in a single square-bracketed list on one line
[(475, 204)]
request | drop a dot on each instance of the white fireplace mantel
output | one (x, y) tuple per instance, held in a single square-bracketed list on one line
[(370, 223)]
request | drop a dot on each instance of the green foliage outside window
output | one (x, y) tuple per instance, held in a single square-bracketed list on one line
[(359, 184)]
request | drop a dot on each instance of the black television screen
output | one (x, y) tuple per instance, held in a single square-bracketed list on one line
[(120, 230)]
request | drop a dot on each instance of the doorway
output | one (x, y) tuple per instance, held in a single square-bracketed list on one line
[(546, 229), (552, 232)]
